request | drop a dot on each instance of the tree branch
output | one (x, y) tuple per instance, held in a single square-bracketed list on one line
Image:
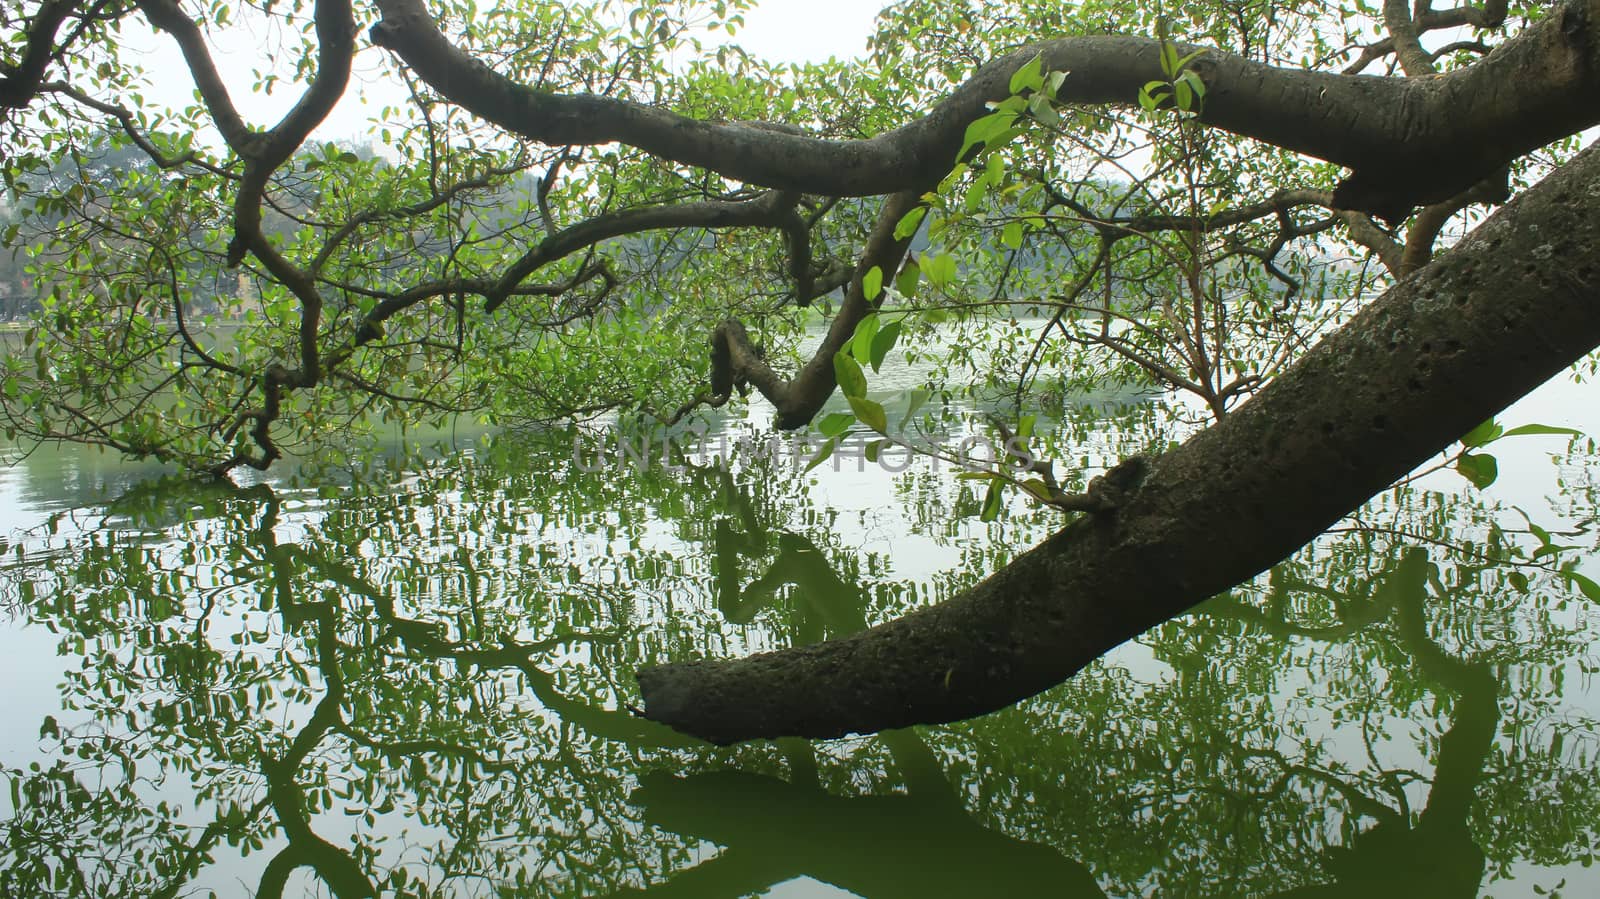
[(771, 209), (21, 82), (1409, 143), (736, 361), (1412, 372)]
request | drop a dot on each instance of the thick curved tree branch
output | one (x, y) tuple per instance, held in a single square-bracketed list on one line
[(1416, 369), (1408, 141), (167, 16), (335, 27), (21, 82), (263, 151)]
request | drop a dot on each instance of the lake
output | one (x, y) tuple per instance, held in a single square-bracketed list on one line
[(413, 678)]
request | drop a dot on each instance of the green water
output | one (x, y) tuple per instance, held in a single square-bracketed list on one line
[(414, 679)]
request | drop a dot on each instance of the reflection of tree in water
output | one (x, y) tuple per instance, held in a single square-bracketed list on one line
[(1273, 750), (442, 671)]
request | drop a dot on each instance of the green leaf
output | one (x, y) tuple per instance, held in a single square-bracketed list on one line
[(1195, 82), (875, 450), (870, 413), (861, 343), (940, 269), (823, 454), (835, 423), (1523, 430), (1188, 58), (872, 283), (1482, 434), (909, 223), (978, 476), (975, 196), (882, 343), (909, 279), (1029, 76), (994, 169), (1043, 110), (991, 502), (987, 130), (915, 399), (1480, 468), (1038, 488), (1011, 236), (852, 380), (1153, 94), (1585, 585)]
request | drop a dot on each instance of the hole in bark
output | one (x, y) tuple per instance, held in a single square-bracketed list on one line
[(1414, 385), (1327, 428), (1427, 347), (1380, 422)]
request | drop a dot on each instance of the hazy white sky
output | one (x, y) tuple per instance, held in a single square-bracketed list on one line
[(809, 30)]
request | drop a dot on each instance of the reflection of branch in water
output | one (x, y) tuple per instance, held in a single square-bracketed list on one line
[(1437, 856), (337, 868), (425, 639), (827, 606), (879, 847), (280, 565)]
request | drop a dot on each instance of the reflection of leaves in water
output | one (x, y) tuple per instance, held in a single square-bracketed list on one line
[(441, 667)]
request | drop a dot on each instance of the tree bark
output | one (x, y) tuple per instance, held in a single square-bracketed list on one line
[(1409, 141), (1509, 307)]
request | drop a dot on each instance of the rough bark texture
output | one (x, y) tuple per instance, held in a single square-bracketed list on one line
[(1409, 141), (1508, 308)]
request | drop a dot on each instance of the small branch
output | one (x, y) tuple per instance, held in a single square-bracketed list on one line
[(738, 363), (1407, 46), (1364, 231), (1432, 219), (125, 120), (769, 209)]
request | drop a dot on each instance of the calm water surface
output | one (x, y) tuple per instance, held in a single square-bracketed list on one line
[(414, 680)]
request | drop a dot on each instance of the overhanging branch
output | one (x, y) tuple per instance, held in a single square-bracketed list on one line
[(1408, 141), (1436, 355)]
